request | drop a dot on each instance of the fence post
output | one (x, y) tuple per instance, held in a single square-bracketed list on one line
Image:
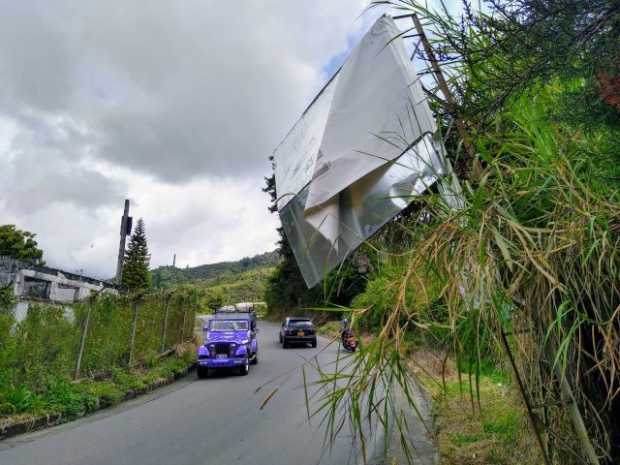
[(133, 331), (83, 340), (184, 320), (165, 328)]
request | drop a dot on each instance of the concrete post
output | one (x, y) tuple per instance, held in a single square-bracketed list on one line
[(78, 364), (134, 323), (166, 299)]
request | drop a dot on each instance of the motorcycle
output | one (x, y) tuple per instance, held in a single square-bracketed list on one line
[(349, 341)]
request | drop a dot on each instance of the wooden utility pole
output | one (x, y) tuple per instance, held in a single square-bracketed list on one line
[(125, 221)]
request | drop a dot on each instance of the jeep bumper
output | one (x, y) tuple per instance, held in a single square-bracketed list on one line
[(221, 362), (300, 339)]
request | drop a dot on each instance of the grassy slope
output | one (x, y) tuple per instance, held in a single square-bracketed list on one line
[(247, 286), (491, 429)]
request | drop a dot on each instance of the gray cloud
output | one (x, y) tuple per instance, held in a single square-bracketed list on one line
[(33, 182), (175, 104), (178, 90)]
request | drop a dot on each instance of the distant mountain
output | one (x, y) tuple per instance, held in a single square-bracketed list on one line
[(166, 276)]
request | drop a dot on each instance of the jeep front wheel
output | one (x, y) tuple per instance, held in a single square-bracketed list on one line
[(245, 369)]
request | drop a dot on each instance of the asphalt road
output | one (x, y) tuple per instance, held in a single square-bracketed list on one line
[(213, 421)]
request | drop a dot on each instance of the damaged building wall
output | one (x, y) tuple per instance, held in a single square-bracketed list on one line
[(36, 283)]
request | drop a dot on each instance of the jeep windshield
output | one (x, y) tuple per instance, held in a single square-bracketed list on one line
[(226, 325)]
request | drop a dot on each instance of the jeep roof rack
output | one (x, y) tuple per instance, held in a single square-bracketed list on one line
[(235, 312), (241, 307)]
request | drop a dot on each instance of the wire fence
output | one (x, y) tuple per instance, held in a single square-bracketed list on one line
[(106, 333)]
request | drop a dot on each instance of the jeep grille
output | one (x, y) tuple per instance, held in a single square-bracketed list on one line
[(222, 348)]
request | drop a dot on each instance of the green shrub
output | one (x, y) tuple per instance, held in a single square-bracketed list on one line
[(20, 399), (38, 355), (69, 399)]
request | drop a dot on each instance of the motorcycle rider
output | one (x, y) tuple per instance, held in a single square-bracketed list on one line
[(346, 333)]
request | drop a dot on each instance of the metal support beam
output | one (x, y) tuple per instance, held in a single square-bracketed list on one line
[(443, 86), (530, 412)]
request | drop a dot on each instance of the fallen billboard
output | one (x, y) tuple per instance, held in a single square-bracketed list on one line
[(359, 154)]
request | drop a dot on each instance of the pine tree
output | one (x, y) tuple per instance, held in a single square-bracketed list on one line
[(136, 274)]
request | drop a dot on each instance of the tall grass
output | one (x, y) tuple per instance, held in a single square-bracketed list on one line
[(533, 256)]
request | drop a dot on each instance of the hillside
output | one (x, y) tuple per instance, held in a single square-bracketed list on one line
[(166, 276), (246, 286)]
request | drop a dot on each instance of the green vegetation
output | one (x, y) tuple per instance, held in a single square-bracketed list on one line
[(534, 252), (230, 288), (18, 244), (136, 274), (168, 276), (227, 283), (42, 355), (495, 433), (529, 267), (74, 399)]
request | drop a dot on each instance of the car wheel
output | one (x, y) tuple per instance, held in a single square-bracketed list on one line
[(280, 338), (284, 344), (255, 358), (313, 342), (245, 369), (202, 372)]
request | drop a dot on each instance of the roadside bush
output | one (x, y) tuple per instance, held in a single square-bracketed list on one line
[(20, 399), (70, 400), (46, 346), (38, 355)]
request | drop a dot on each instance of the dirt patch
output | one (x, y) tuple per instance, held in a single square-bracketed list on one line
[(475, 424)]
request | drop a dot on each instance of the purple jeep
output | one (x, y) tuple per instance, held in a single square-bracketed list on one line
[(229, 342)]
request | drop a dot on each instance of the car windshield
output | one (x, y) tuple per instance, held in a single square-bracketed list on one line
[(228, 325), (306, 323)]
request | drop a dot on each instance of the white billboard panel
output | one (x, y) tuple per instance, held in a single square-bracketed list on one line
[(358, 155)]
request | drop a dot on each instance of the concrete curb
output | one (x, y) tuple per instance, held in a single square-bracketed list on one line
[(423, 448), (46, 421)]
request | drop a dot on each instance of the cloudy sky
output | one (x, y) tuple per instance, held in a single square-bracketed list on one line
[(173, 104)]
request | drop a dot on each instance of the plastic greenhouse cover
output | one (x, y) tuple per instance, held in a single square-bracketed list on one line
[(358, 155)]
